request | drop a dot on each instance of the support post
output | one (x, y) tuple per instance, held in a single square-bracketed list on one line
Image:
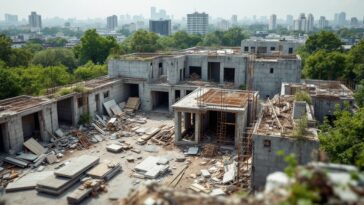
[(177, 125), (197, 127)]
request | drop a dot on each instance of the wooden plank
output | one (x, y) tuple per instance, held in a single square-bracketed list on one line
[(34, 146)]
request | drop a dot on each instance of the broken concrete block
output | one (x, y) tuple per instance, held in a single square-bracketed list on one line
[(130, 159), (192, 151), (217, 192), (27, 156), (34, 146), (114, 148), (59, 133), (205, 173), (163, 161), (180, 159), (51, 158), (40, 168)]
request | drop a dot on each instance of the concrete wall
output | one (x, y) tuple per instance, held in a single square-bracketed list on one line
[(132, 69), (269, 84), (326, 106), (282, 46), (14, 136), (266, 161)]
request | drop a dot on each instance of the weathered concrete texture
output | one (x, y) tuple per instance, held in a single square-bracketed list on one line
[(270, 74), (266, 160), (270, 46), (25, 117)]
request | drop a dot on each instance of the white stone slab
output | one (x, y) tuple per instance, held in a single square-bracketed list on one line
[(77, 166), (28, 181)]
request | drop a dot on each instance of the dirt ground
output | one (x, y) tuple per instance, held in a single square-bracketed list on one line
[(120, 185)]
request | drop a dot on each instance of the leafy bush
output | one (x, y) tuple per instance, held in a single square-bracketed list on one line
[(85, 119), (303, 96), (299, 130)]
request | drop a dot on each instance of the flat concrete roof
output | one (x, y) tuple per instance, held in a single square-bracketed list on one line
[(214, 99), (21, 103), (320, 88)]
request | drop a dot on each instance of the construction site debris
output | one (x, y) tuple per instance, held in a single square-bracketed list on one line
[(115, 148), (210, 150), (77, 166), (108, 105), (192, 151), (27, 156), (132, 104), (77, 196), (34, 146), (104, 170), (17, 162), (28, 181)]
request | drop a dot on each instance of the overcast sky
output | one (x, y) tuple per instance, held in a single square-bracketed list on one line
[(84, 9)]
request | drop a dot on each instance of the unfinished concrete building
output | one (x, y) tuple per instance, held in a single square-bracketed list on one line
[(270, 46), (326, 95), (280, 127), (214, 115), (87, 97), (24, 117), (161, 79)]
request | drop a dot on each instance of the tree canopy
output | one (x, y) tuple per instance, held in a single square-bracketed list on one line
[(55, 57), (325, 65), (94, 47), (90, 71), (9, 86), (323, 40), (344, 140)]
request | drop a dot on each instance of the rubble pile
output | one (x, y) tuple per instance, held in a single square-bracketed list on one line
[(153, 193)]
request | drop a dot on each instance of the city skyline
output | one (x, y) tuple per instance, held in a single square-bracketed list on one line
[(91, 8)]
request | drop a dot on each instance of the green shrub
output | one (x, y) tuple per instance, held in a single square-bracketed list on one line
[(303, 96), (85, 119)]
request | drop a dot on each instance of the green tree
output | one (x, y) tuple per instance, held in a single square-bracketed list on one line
[(56, 42), (5, 48), (90, 71), (356, 62), (9, 86), (359, 95), (323, 40), (344, 140), (94, 47), (55, 57), (234, 36), (325, 65), (34, 80), (144, 41), (20, 57), (212, 39)]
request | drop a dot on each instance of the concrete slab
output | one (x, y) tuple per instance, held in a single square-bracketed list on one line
[(78, 196), (147, 164), (28, 181), (205, 173), (230, 174), (155, 171), (77, 166), (102, 170), (34, 146), (108, 106), (192, 151), (27, 156), (55, 185), (114, 148), (17, 162)]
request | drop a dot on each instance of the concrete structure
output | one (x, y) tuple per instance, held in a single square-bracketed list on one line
[(161, 79), (214, 115), (35, 21), (112, 22), (270, 46), (234, 20), (197, 23), (275, 131), (11, 19), (326, 95), (273, 22), (161, 27), (23, 117), (323, 23), (310, 23)]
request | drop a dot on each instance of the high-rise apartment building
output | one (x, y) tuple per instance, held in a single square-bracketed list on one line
[(323, 23), (162, 27), (11, 19), (342, 19), (35, 21), (112, 22), (197, 23), (273, 22), (354, 22), (310, 23), (289, 20), (234, 20)]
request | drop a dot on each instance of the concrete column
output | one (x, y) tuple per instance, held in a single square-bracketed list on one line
[(222, 72), (172, 100), (177, 126), (187, 116), (238, 129), (16, 138), (197, 127), (204, 70)]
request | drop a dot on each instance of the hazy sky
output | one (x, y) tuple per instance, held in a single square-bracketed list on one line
[(84, 9)]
